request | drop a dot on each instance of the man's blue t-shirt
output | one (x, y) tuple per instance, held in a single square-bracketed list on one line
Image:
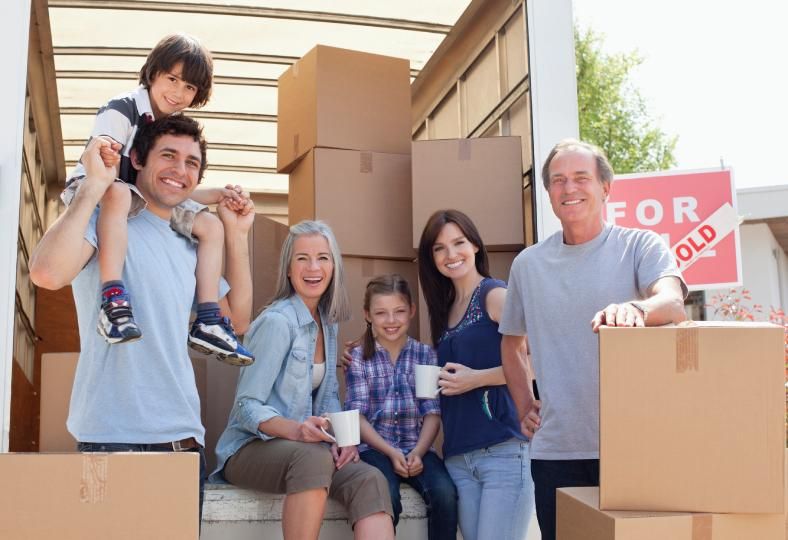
[(144, 391)]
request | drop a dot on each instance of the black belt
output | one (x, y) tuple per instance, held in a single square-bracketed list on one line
[(181, 446)]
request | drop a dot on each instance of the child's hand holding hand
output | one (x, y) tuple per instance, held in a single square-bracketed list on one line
[(399, 462), (230, 196), (236, 199), (236, 221), (110, 154), (97, 172), (415, 466)]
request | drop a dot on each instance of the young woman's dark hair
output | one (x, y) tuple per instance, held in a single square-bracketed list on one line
[(438, 289), (385, 284), (197, 64)]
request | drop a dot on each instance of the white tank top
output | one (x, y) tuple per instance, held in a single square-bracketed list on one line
[(318, 372)]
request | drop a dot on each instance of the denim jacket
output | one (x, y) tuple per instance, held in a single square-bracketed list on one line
[(279, 383)]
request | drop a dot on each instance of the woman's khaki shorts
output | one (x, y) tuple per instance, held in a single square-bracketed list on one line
[(182, 220), (283, 466)]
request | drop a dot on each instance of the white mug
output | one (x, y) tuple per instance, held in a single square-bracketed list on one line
[(345, 426), (427, 381)]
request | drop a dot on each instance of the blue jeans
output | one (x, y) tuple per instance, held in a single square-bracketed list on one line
[(434, 486), (550, 475), (125, 447), (496, 491)]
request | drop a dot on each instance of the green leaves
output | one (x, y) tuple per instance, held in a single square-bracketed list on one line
[(613, 114)]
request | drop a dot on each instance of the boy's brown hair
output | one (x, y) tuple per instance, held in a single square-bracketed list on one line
[(197, 64)]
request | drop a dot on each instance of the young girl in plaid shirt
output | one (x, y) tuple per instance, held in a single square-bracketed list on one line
[(397, 429)]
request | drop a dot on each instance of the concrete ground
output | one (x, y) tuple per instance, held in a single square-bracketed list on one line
[(236, 514)]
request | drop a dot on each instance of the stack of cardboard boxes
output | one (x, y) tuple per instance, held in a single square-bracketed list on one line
[(344, 138), (692, 436), (483, 179)]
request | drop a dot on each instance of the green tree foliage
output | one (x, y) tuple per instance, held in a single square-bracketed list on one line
[(613, 114)]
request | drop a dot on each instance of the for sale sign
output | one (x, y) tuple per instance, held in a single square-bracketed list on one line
[(695, 212)]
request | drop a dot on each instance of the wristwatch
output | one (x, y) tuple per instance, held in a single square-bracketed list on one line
[(643, 309)]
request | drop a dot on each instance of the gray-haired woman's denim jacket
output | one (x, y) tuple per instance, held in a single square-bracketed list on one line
[(279, 383)]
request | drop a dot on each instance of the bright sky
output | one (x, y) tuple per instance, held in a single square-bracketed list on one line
[(714, 73)]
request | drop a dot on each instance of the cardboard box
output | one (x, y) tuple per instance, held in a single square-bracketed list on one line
[(365, 197), (108, 496), (500, 264), (425, 336), (578, 517), (216, 384), (57, 378), (266, 239), (481, 177), (692, 418), (336, 98)]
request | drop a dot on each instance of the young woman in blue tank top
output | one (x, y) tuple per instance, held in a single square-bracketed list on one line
[(484, 450)]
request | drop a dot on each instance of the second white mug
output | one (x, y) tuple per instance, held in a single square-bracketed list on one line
[(345, 426), (427, 381)]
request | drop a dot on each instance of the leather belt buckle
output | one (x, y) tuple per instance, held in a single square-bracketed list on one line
[(185, 444)]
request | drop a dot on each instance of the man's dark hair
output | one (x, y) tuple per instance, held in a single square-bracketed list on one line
[(197, 64), (174, 124)]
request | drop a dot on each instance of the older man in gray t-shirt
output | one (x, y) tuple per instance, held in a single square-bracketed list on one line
[(560, 291)]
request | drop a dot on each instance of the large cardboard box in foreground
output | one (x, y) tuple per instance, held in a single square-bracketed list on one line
[(57, 379), (108, 496), (578, 517), (364, 196), (481, 177), (692, 418), (336, 98)]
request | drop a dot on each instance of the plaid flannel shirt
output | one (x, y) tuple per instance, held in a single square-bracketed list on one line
[(385, 393)]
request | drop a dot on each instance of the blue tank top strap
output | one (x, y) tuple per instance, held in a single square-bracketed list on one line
[(485, 287)]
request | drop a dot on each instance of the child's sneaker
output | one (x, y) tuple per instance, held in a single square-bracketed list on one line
[(116, 321), (219, 340)]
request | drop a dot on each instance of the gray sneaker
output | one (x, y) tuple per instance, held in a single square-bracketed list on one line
[(116, 321), (220, 341)]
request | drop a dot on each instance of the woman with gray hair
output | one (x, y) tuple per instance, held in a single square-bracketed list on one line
[(273, 441)]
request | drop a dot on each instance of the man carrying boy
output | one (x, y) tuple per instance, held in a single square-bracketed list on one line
[(178, 73), (142, 396), (558, 290)]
